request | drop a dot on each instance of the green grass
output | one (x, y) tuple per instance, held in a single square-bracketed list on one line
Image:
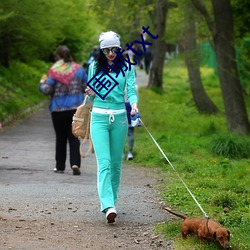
[(214, 164), (19, 88)]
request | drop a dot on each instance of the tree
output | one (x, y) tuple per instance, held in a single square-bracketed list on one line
[(28, 33), (159, 51), (223, 38), (201, 99), (124, 17)]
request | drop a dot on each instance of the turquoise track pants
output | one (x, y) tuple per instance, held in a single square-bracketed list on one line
[(108, 136)]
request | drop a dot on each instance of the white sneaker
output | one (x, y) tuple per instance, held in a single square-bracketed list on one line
[(111, 214), (130, 156), (58, 171)]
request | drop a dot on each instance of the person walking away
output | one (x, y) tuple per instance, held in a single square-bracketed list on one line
[(139, 50), (147, 58), (65, 84), (109, 123)]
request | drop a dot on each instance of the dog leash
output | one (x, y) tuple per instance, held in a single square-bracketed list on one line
[(174, 170)]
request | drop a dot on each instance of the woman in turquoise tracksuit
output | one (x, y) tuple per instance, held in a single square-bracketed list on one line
[(109, 123)]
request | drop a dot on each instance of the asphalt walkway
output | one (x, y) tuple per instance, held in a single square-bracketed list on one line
[(30, 189)]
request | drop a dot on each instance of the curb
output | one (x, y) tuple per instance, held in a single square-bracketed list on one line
[(22, 114)]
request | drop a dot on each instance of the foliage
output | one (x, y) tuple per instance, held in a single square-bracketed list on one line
[(27, 33), (19, 87), (242, 37), (175, 23), (241, 17), (174, 26), (220, 184), (230, 146), (243, 61), (125, 17)]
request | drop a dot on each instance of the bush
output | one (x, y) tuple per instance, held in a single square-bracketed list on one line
[(19, 88), (224, 200), (231, 146)]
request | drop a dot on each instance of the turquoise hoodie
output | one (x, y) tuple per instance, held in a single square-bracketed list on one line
[(115, 99)]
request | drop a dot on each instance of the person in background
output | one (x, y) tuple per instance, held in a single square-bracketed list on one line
[(130, 133), (139, 50), (65, 83), (85, 66), (109, 125), (131, 130), (147, 58), (130, 127), (93, 55)]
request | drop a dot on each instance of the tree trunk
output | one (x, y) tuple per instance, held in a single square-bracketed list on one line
[(159, 47), (223, 38), (235, 109), (201, 99)]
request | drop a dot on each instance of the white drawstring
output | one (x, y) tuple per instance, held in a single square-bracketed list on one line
[(109, 112), (111, 117)]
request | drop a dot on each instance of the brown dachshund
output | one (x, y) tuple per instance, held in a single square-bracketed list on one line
[(204, 229)]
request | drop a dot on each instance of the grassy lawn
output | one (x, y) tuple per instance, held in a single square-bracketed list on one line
[(19, 88), (214, 164)]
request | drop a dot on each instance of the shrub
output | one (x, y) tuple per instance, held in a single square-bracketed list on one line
[(231, 146), (223, 200)]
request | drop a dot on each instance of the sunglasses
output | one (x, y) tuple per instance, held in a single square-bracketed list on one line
[(107, 51)]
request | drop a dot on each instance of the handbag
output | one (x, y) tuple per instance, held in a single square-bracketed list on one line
[(81, 126)]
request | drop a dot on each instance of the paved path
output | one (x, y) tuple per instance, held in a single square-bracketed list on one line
[(27, 160), (31, 191), (26, 163), (141, 78)]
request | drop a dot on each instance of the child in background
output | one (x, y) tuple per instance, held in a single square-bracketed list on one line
[(130, 133), (130, 127), (130, 130)]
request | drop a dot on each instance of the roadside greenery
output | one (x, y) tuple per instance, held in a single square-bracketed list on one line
[(214, 165), (27, 33), (19, 88)]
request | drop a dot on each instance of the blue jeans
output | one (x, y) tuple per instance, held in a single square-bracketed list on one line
[(108, 139)]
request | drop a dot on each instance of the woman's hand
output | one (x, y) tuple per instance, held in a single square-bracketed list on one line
[(89, 91), (43, 79), (134, 109)]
